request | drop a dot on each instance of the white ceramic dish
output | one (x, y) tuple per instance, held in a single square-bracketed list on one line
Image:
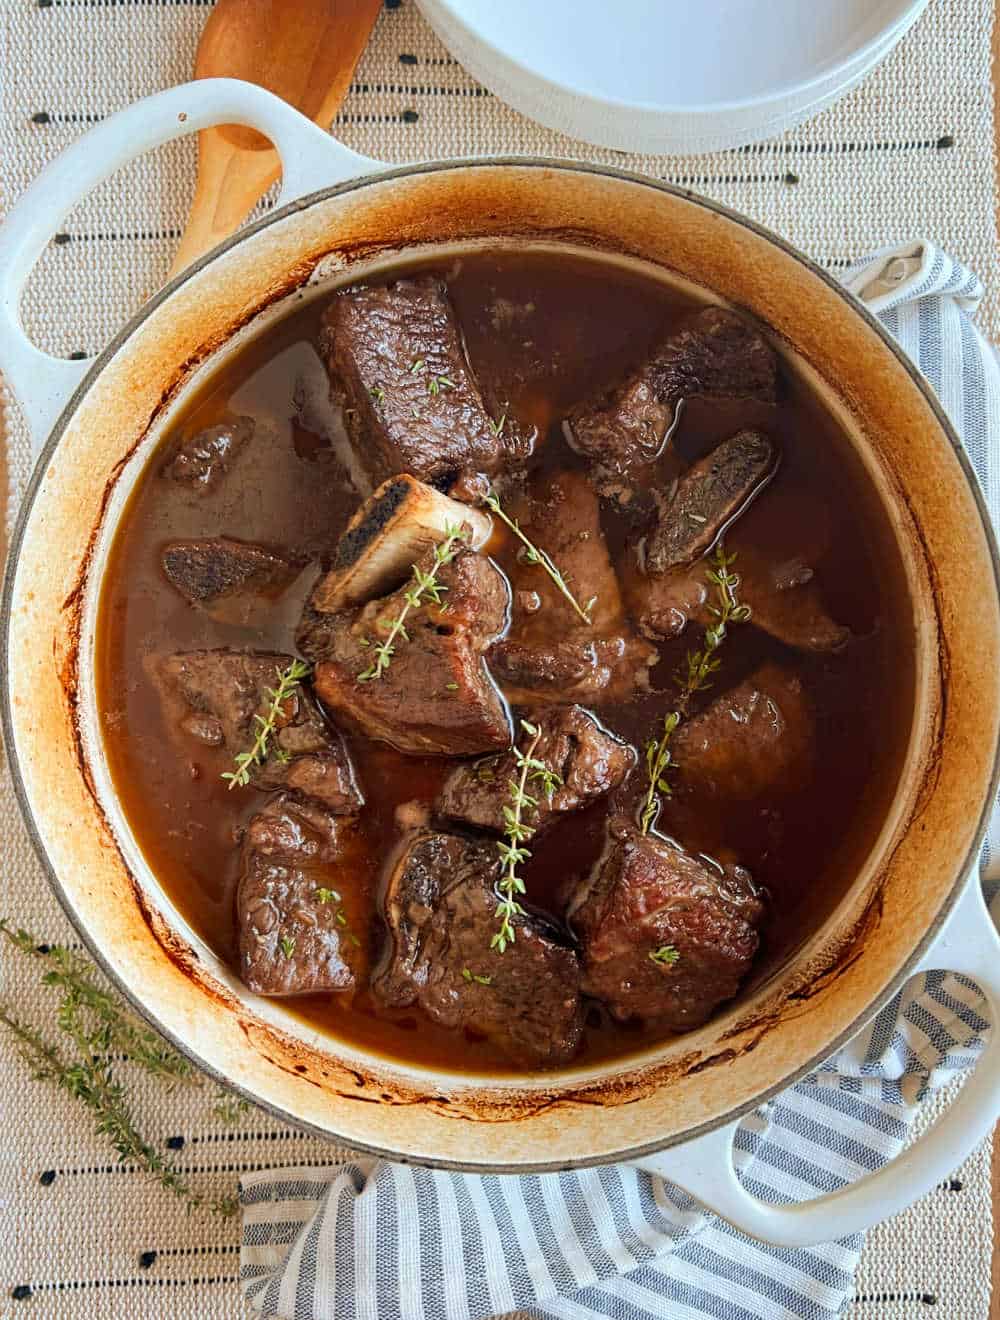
[(670, 77)]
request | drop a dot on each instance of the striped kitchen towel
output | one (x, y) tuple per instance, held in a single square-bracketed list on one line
[(372, 1240)]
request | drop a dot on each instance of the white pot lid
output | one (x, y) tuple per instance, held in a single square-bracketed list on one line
[(670, 75)]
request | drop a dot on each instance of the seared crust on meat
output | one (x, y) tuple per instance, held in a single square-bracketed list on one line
[(589, 763), (440, 909), (436, 697), (649, 897)]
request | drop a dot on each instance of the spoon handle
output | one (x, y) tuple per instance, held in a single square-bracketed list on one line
[(231, 181), (304, 51)]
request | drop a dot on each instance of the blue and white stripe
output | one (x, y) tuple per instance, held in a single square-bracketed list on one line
[(376, 1241)]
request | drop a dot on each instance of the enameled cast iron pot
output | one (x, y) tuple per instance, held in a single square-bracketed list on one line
[(95, 423)]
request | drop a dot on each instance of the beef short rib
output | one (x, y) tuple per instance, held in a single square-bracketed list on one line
[(550, 653), (648, 901), (708, 496), (754, 739), (214, 697), (226, 578), (202, 460), (440, 909), (394, 527), (718, 355), (589, 761), (398, 366), (436, 697), (294, 917)]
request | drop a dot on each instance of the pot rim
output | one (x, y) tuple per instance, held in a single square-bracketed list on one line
[(6, 603)]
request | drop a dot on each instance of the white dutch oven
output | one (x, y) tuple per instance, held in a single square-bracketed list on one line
[(675, 1108)]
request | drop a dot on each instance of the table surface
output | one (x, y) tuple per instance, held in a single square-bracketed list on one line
[(995, 1305)]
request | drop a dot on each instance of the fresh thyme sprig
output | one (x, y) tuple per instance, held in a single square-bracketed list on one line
[(518, 832), (665, 956), (99, 1028), (288, 680), (658, 762), (89, 1079), (425, 587), (700, 665), (535, 555), (694, 677), (73, 975)]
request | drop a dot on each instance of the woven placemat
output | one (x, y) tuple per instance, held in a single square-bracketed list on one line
[(909, 152)]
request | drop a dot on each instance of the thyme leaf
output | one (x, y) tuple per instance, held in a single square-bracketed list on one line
[(89, 1079), (665, 956), (477, 977), (229, 1108), (425, 587), (288, 680), (518, 832), (535, 555)]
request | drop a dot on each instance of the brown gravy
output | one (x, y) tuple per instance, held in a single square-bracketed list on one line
[(549, 329)]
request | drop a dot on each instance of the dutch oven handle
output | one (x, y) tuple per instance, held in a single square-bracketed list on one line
[(310, 160), (969, 944)]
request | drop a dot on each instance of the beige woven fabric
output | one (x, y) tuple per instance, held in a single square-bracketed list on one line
[(909, 152)]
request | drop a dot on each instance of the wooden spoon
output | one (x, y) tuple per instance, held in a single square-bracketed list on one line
[(304, 51)]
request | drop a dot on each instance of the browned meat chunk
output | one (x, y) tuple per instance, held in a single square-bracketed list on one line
[(664, 603), (226, 578), (719, 356), (665, 936), (589, 761), (411, 403), (550, 653), (786, 601), (441, 913), (436, 697), (215, 697), (201, 461), (756, 738), (708, 496), (295, 932), (599, 672)]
